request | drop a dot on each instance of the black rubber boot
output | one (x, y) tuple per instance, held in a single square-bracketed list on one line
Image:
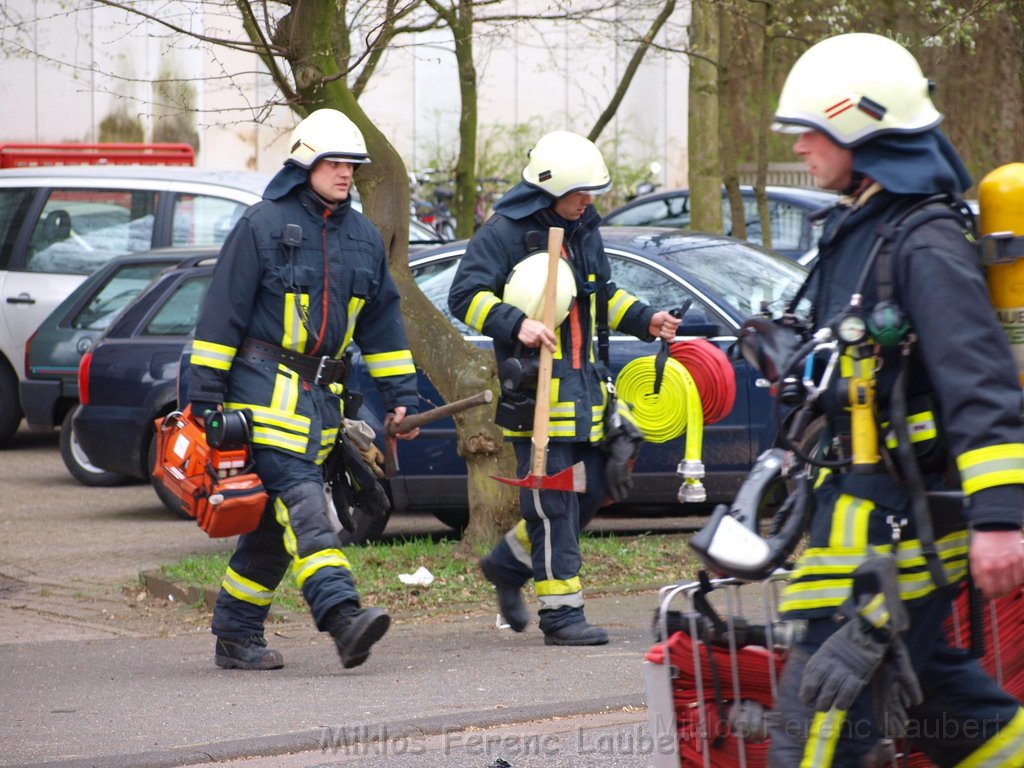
[(251, 653), (578, 633), (355, 630), (510, 597)]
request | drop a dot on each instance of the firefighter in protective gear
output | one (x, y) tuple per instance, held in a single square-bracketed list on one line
[(564, 173), (936, 359), (300, 277)]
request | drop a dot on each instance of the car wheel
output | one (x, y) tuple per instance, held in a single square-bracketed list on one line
[(169, 500), (453, 518), (78, 464), (10, 406)]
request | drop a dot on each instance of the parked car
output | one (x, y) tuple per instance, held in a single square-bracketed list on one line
[(49, 391), (128, 378), (793, 234), (60, 224)]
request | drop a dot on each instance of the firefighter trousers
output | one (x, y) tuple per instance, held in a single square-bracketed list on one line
[(545, 546), (965, 719), (293, 531)]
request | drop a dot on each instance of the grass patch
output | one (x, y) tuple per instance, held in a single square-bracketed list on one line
[(610, 564)]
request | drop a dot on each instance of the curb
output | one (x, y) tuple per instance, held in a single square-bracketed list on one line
[(341, 737)]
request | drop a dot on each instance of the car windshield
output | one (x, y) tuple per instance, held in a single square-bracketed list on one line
[(745, 278)]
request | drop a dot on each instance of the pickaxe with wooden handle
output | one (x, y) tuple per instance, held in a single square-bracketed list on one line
[(417, 420), (571, 478)]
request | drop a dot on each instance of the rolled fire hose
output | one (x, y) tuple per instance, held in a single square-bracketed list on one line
[(667, 413), (713, 374)]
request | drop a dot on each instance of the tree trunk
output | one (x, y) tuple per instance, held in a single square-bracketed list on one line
[(728, 113), (705, 175), (465, 167), (764, 99)]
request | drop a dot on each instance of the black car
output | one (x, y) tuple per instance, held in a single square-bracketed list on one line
[(793, 234), (49, 391), (129, 376)]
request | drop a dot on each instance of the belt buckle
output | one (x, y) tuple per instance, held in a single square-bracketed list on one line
[(320, 368)]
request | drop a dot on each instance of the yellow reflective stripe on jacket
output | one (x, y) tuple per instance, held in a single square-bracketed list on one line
[(327, 439), (261, 414), (286, 390), (820, 748), (390, 363), (293, 332), (216, 356), (823, 575), (617, 305), (596, 423), (850, 522), (562, 422), (479, 308), (355, 306), (921, 427), (562, 414), (991, 466), (1006, 748), (277, 428), (246, 590), (304, 567)]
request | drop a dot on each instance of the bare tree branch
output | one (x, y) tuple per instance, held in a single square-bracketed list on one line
[(631, 69)]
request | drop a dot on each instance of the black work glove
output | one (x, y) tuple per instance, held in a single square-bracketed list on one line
[(621, 447), (845, 663), (896, 690), (366, 492)]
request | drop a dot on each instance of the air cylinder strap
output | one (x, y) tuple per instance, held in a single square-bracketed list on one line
[(912, 472)]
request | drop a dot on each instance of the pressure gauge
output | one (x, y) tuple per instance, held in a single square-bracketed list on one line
[(852, 328)]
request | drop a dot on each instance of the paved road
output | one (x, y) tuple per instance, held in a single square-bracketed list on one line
[(99, 673)]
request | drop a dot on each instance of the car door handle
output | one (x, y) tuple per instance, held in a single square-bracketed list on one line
[(21, 298)]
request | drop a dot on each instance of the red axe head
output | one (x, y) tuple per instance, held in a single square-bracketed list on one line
[(572, 478)]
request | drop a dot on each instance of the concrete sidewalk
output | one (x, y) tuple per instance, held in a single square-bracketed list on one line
[(151, 702)]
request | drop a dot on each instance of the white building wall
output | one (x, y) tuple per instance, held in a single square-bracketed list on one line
[(95, 59)]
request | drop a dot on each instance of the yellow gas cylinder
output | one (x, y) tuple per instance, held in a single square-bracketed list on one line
[(1001, 199)]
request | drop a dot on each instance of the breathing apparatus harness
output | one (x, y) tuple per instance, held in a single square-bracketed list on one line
[(785, 352)]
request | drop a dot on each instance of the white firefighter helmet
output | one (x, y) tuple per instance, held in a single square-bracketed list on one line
[(326, 133), (855, 86), (564, 162), (525, 287)]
